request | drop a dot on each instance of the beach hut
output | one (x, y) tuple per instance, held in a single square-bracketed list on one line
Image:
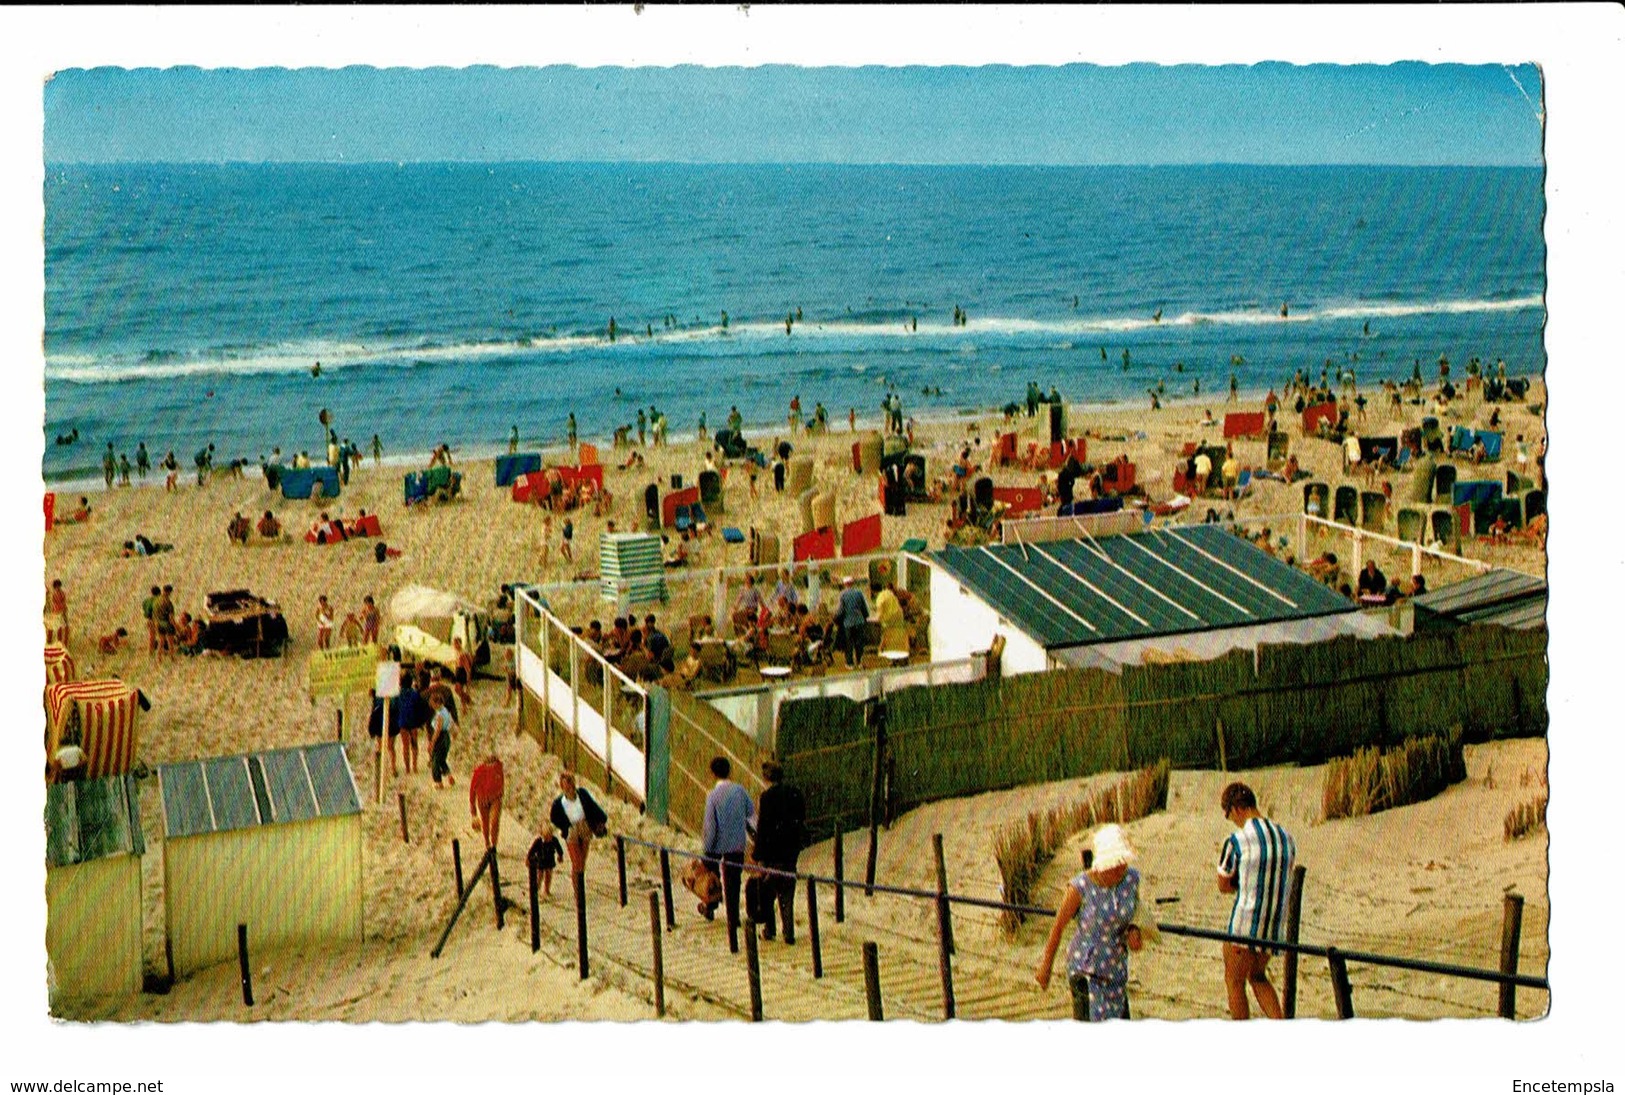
[(93, 851), (1444, 483), (99, 717), (1277, 449), (271, 840), (631, 566)]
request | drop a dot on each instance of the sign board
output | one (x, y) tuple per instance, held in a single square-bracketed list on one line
[(343, 670), (387, 680)]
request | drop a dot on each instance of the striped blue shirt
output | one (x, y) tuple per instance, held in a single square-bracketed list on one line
[(1259, 857)]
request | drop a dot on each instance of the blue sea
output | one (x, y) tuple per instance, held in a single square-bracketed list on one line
[(447, 302)]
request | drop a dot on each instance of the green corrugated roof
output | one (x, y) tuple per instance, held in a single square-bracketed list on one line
[(1161, 582), (218, 794), (90, 819)]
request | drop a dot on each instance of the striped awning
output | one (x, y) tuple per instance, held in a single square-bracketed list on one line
[(101, 714), (59, 665)]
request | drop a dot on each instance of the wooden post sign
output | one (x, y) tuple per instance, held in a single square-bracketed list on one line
[(386, 685), (343, 670)]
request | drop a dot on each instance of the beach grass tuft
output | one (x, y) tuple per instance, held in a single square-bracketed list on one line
[(1525, 818), (1023, 848), (1380, 779)]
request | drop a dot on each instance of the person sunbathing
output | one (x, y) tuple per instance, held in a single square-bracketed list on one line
[(81, 514), (1324, 569), (111, 644), (237, 529), (269, 526), (188, 635), (141, 546)]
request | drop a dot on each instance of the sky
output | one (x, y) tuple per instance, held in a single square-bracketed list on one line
[(1274, 113)]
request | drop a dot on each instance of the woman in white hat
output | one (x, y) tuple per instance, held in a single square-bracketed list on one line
[(1103, 901)]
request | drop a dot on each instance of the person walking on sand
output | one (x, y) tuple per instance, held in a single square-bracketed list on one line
[(780, 825), (377, 451), (485, 799), (369, 620), (163, 619), (577, 815), (56, 604), (1255, 865), (570, 429), (143, 463), (147, 606), (727, 814), (172, 470), (109, 465), (544, 855), (566, 536), (513, 440), (1102, 902), (324, 623), (441, 725)]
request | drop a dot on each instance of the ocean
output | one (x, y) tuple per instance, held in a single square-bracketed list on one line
[(186, 304)]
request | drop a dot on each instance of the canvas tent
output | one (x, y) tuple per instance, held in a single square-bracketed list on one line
[(98, 716), (93, 851), (271, 840)]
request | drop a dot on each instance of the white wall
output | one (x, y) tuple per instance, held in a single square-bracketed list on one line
[(961, 623)]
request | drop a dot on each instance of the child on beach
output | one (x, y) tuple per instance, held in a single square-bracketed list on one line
[(545, 854), (485, 799), (564, 544), (369, 620), (324, 623), (440, 728)]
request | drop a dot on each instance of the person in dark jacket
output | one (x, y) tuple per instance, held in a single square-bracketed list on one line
[(781, 831), (575, 814)]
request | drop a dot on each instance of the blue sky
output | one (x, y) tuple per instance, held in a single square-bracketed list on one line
[(1407, 113)]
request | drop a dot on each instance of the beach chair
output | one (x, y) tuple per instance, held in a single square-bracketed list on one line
[(414, 488), (1346, 505), (1373, 510), (1534, 504), (1444, 483), (1442, 525), (1277, 451), (696, 513), (1317, 499), (683, 522), (1244, 484), (731, 535), (1411, 523), (716, 664), (783, 649), (586, 455)]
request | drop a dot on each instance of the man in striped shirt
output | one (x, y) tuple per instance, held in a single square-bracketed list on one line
[(1256, 866)]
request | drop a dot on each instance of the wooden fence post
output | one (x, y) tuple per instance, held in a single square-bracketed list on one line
[(400, 797), (496, 887), (243, 969), (1342, 991), (535, 911), (457, 865), (462, 900), (812, 929), (659, 956), (579, 881), (877, 715), (620, 865), (338, 724), (945, 962), (1289, 975), (840, 888), (871, 982), (665, 886), (1511, 931), (753, 970), (942, 891)]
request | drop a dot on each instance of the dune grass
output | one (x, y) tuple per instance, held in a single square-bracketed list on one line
[(1526, 818), (1380, 779), (1023, 848)]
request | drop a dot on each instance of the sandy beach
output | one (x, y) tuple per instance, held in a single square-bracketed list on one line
[(1440, 896)]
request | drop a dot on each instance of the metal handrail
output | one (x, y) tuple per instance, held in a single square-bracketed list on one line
[(1421, 965)]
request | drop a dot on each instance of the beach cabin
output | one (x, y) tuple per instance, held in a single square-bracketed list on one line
[(1193, 591), (271, 840), (93, 851), (1506, 597), (632, 568)]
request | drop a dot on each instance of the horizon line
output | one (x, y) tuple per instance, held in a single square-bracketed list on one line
[(53, 164)]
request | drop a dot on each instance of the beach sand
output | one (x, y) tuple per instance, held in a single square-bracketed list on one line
[(1444, 863)]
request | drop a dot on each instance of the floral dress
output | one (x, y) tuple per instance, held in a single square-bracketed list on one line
[(1098, 955)]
